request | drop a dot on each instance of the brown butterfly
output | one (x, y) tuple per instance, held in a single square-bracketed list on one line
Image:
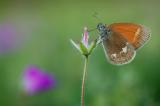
[(122, 40)]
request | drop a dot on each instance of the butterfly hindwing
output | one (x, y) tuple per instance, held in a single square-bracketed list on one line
[(118, 50)]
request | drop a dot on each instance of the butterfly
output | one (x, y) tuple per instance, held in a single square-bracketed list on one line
[(121, 41)]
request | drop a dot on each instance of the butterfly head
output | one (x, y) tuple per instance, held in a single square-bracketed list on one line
[(101, 27), (103, 30)]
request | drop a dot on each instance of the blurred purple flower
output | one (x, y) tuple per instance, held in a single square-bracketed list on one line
[(8, 37), (35, 80)]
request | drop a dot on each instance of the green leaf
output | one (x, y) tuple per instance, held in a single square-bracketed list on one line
[(76, 45), (92, 46), (83, 49)]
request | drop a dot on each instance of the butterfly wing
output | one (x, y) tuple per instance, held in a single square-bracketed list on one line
[(135, 34), (117, 49)]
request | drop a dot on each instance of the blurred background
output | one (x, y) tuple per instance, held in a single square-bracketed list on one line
[(38, 32)]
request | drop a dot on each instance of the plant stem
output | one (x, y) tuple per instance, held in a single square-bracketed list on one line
[(83, 81), (22, 99)]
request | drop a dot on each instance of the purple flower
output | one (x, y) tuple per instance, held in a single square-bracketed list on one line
[(85, 37), (84, 47), (36, 80)]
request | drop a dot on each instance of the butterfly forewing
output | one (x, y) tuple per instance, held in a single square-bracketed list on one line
[(118, 50), (135, 34)]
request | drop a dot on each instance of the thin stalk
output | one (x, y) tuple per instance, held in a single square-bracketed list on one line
[(83, 82), (22, 99)]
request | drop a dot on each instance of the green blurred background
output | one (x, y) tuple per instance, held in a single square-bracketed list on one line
[(48, 27)]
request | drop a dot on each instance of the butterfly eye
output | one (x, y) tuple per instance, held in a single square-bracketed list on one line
[(101, 27)]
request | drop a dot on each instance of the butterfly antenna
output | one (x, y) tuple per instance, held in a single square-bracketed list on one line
[(97, 16)]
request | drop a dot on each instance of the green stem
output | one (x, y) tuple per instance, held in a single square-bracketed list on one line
[(83, 81), (22, 99)]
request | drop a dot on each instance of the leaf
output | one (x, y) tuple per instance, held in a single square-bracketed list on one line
[(76, 45), (83, 48), (92, 46)]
